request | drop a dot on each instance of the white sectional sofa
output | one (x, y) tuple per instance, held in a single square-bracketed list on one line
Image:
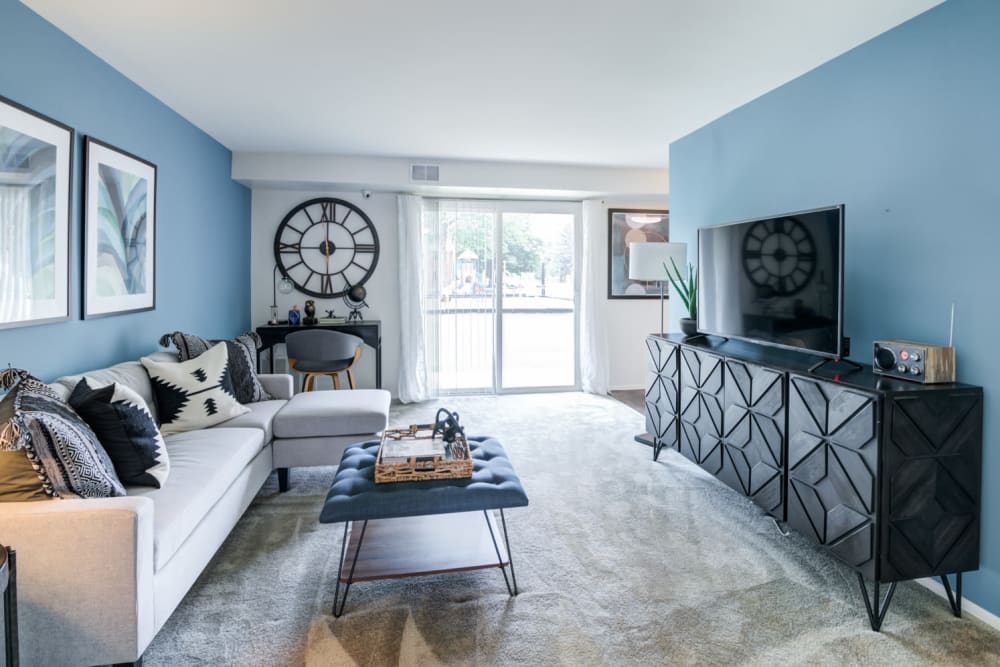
[(98, 578)]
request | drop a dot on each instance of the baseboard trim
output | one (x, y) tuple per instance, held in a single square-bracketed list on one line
[(968, 607), (630, 387)]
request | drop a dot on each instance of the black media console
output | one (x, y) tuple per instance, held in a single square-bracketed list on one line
[(882, 473)]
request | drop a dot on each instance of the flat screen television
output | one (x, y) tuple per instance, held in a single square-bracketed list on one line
[(777, 280)]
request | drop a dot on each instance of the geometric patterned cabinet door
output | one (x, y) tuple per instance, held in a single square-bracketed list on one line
[(661, 393), (753, 460), (931, 484), (833, 467), (701, 394)]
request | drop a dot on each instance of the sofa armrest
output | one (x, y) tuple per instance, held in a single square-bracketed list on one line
[(278, 385), (84, 578)]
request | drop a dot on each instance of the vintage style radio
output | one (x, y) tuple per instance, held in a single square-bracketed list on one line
[(919, 362)]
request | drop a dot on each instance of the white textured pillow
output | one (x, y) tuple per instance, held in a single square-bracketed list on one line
[(194, 394)]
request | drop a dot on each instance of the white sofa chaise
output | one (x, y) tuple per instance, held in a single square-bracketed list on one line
[(98, 578)]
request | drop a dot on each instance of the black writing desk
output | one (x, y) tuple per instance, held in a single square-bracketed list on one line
[(369, 331)]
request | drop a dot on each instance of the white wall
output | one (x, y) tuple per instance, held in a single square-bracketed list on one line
[(269, 207), (627, 322)]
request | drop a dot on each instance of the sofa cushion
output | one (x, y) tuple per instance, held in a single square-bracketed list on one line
[(127, 431), (130, 374), (203, 465), (324, 413), (62, 448), (194, 394), (242, 360), (261, 416)]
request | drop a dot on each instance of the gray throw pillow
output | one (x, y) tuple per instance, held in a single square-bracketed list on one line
[(242, 360), (63, 450)]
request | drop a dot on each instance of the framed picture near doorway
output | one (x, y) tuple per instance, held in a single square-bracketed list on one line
[(36, 159), (119, 238), (633, 225)]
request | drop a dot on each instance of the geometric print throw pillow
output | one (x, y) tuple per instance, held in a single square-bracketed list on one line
[(127, 430), (194, 394), (63, 450), (242, 360)]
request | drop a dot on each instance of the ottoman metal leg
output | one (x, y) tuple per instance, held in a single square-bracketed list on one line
[(340, 570), (510, 559), (282, 479)]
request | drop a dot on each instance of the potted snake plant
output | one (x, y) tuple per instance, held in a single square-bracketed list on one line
[(687, 290)]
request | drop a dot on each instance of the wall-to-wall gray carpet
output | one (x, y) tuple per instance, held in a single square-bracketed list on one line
[(620, 561)]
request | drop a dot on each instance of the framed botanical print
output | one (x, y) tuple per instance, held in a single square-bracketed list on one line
[(632, 225), (119, 232), (36, 158)]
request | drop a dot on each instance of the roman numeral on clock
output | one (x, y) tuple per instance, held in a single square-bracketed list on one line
[(327, 287), (294, 248), (327, 210)]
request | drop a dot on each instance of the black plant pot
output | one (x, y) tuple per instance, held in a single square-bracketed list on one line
[(689, 327)]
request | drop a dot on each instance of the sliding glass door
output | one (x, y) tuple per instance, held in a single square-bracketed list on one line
[(506, 285)]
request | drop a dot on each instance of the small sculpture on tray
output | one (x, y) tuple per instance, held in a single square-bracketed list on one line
[(448, 426)]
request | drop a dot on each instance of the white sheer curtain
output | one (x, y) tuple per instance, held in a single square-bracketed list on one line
[(16, 269), (594, 368), (416, 363)]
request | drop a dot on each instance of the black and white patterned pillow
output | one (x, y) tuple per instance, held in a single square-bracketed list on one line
[(242, 360), (62, 448), (194, 394), (126, 429)]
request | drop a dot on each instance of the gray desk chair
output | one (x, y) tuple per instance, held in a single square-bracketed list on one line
[(316, 352)]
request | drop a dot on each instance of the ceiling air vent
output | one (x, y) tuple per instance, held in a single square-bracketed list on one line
[(424, 173)]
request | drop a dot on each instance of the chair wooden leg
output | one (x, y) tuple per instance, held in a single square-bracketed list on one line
[(336, 380), (310, 383), (350, 378)]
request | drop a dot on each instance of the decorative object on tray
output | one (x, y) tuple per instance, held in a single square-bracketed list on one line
[(325, 246), (332, 319), (625, 226), (355, 300), (119, 232), (310, 310), (687, 290), (36, 160), (415, 453), (294, 317)]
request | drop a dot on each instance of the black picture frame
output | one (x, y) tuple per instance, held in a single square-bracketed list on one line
[(115, 162), (623, 228), (26, 161)]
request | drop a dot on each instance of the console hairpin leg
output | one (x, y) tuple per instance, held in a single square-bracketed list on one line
[(340, 569), (510, 559), (954, 600), (876, 611)]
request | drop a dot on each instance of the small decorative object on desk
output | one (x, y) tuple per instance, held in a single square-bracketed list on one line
[(355, 300), (417, 454), (294, 317), (310, 312)]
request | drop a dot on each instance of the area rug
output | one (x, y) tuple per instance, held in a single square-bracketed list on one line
[(620, 561)]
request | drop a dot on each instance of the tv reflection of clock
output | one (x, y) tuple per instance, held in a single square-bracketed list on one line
[(779, 254)]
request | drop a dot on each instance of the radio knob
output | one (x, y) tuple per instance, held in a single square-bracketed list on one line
[(901, 368), (884, 358), (915, 370), (914, 356)]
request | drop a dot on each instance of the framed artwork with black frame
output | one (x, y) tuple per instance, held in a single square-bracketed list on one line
[(36, 163), (119, 237), (633, 225)]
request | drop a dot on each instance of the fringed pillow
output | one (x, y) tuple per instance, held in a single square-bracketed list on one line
[(62, 450), (242, 360)]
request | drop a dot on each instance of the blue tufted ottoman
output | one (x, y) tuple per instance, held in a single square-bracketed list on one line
[(400, 547)]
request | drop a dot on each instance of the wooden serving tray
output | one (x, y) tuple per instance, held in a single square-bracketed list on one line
[(412, 455)]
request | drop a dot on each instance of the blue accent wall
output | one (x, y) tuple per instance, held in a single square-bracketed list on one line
[(904, 130), (203, 216)]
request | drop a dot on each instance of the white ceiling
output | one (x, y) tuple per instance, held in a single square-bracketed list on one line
[(559, 81)]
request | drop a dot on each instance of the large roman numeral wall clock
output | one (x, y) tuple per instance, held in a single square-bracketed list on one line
[(326, 246), (779, 254)]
